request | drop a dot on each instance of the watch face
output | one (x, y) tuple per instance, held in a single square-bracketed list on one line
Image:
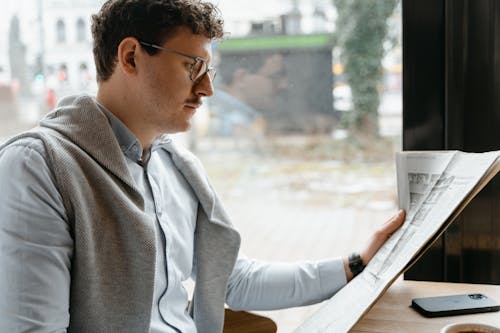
[(356, 264)]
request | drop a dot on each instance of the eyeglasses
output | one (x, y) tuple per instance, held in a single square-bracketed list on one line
[(198, 69)]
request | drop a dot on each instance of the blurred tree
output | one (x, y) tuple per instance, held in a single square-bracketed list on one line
[(361, 30), (17, 57)]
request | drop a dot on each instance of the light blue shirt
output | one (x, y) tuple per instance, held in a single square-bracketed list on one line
[(36, 246)]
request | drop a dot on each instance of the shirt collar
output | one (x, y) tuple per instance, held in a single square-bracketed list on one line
[(129, 144)]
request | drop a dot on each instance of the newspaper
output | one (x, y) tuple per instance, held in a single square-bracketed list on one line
[(433, 188)]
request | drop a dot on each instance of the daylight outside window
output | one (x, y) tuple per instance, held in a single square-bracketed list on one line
[(299, 136)]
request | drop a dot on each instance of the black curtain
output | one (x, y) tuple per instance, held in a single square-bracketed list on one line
[(451, 92)]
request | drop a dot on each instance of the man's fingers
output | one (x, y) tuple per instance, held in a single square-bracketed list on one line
[(394, 223), (381, 236)]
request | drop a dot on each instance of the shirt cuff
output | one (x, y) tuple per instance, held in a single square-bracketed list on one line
[(332, 276)]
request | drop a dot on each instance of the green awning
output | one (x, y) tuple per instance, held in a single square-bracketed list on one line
[(275, 42)]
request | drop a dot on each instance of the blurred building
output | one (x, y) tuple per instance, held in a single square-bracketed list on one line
[(57, 38), (66, 51), (282, 72)]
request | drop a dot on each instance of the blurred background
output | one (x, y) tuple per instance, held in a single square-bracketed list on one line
[(300, 135)]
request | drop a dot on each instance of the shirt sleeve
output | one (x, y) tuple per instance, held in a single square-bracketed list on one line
[(35, 243), (256, 285)]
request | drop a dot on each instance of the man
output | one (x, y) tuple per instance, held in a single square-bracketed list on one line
[(103, 216)]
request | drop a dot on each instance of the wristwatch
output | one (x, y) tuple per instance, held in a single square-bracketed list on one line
[(355, 264)]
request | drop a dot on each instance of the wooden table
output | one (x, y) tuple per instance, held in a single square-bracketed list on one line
[(392, 312), (246, 322)]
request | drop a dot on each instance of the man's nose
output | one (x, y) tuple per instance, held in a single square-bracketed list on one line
[(204, 87)]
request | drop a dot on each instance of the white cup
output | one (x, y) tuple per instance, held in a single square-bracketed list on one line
[(469, 328)]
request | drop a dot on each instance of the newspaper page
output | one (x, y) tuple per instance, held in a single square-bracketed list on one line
[(432, 188)]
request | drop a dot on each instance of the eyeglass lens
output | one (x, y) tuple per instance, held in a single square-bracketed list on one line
[(200, 69)]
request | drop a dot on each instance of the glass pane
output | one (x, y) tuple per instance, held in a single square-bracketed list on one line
[(301, 131), (299, 137)]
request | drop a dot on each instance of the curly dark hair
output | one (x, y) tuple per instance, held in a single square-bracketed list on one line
[(153, 21)]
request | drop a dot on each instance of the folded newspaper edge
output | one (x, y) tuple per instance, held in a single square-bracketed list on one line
[(433, 187)]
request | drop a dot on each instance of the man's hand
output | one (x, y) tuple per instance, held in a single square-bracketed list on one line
[(381, 235)]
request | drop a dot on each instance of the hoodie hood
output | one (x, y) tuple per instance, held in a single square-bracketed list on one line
[(79, 120)]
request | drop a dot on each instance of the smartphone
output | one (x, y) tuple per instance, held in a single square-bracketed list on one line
[(452, 305)]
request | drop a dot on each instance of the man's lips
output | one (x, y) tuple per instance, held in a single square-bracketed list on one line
[(193, 106)]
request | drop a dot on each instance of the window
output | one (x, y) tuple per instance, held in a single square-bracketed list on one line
[(304, 168), (81, 30), (60, 31)]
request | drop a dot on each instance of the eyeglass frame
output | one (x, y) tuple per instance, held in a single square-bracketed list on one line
[(210, 69)]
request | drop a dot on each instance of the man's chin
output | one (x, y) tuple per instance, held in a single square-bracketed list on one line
[(187, 127), (180, 128), (183, 127)]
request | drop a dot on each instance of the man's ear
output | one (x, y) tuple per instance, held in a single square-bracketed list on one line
[(127, 52)]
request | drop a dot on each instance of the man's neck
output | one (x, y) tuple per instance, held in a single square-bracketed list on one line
[(123, 107)]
